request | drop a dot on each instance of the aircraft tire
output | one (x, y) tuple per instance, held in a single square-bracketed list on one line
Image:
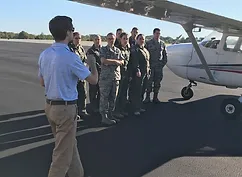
[(187, 93), (230, 108)]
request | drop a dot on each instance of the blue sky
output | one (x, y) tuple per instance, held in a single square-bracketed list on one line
[(33, 16)]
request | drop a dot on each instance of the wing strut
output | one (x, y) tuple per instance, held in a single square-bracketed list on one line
[(188, 29)]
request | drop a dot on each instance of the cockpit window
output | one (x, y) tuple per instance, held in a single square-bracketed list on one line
[(212, 40), (230, 43), (213, 43)]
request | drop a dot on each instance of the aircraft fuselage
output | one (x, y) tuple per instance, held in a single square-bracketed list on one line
[(224, 61)]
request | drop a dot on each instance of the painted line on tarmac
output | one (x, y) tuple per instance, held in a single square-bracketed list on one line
[(21, 114), (24, 139), (25, 130), (33, 137), (27, 147), (22, 118)]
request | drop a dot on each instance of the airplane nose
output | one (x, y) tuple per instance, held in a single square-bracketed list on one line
[(173, 55), (178, 56)]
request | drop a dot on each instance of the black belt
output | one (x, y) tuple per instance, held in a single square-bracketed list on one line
[(60, 102)]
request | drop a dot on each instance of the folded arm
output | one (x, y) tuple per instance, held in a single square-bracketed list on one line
[(110, 61)]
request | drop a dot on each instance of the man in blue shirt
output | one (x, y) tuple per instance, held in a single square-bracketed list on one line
[(59, 71)]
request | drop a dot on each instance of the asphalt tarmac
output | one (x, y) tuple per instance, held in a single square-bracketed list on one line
[(173, 139)]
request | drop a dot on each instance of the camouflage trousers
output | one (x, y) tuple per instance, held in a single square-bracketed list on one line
[(81, 103), (108, 95), (122, 94), (144, 86), (137, 85), (94, 96), (154, 80)]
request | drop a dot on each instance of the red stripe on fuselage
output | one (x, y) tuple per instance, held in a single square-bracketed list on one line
[(231, 71)]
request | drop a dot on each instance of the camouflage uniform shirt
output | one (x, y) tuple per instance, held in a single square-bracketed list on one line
[(157, 55), (110, 71), (139, 59), (125, 51), (96, 53), (131, 41), (79, 50)]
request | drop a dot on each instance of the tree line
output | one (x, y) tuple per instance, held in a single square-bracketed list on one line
[(42, 36)]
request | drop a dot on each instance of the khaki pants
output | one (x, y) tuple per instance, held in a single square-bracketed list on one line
[(65, 157)]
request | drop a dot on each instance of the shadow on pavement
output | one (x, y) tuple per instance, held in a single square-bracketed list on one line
[(137, 146)]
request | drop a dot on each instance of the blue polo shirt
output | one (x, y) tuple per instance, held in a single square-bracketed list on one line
[(61, 69)]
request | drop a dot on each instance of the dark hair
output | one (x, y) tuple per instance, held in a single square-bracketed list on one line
[(59, 26), (123, 34), (139, 36), (95, 36), (119, 29), (134, 28), (110, 34), (156, 29), (75, 34)]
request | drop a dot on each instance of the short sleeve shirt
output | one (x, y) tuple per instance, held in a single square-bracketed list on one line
[(61, 69)]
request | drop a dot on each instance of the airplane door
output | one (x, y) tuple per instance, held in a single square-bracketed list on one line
[(196, 71), (229, 66)]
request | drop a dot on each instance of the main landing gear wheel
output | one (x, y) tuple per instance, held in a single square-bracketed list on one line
[(187, 92), (230, 108)]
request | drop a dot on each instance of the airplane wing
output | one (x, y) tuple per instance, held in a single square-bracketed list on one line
[(169, 11), (172, 12)]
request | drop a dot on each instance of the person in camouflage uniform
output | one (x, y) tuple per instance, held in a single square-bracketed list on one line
[(111, 60), (117, 41), (94, 94), (77, 48), (139, 64), (121, 101), (158, 59), (132, 38), (132, 42)]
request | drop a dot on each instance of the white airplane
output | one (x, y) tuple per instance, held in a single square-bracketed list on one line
[(217, 60)]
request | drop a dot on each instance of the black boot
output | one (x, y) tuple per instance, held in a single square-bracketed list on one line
[(106, 120), (155, 98), (111, 117), (147, 98)]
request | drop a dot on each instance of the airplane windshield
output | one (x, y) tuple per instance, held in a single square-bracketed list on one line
[(214, 35), (212, 40)]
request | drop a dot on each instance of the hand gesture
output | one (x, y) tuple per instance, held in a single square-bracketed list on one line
[(138, 74), (119, 63), (122, 62)]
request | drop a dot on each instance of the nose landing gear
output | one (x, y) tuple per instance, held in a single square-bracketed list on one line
[(231, 108), (187, 92)]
